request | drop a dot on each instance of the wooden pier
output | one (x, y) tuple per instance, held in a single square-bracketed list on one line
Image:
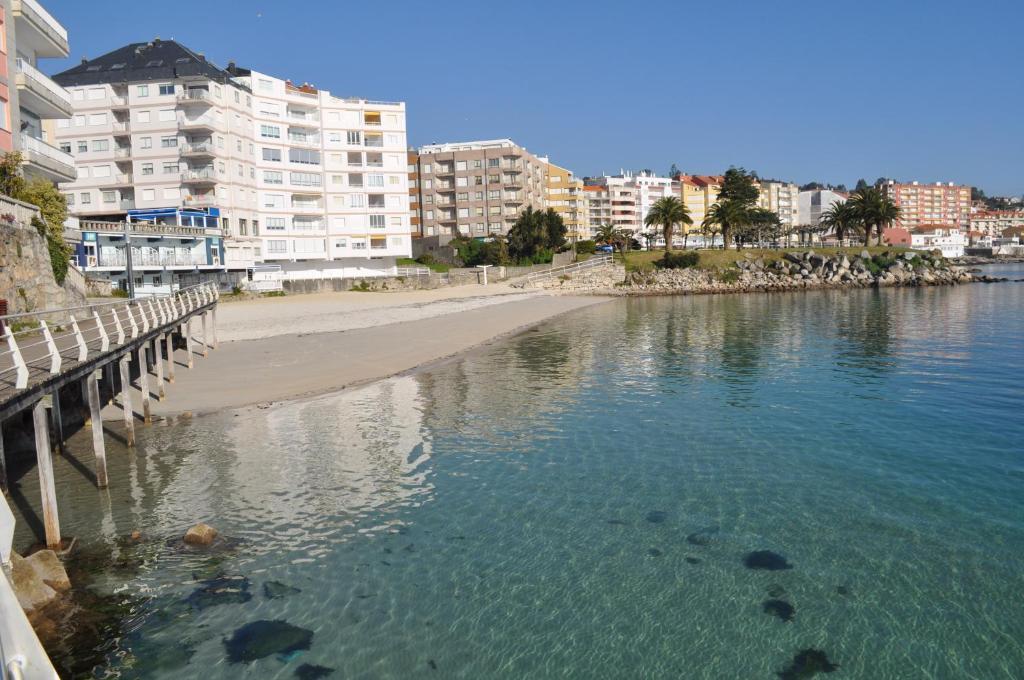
[(47, 351)]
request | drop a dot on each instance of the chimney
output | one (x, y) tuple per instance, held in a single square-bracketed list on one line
[(84, 61)]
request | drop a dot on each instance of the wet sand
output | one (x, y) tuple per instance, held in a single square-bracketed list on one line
[(284, 359)]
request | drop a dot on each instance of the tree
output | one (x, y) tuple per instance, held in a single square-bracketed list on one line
[(674, 172), (738, 185), (52, 205), (861, 184), (667, 212), (874, 211), (11, 181), (841, 218), (977, 194), (536, 235), (730, 216), (40, 192), (605, 234)]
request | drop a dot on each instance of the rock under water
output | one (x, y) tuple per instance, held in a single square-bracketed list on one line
[(260, 639), (217, 591), (657, 516), (308, 671), (692, 560), (654, 552), (780, 609), (775, 590), (808, 663), (767, 560), (703, 537), (276, 589)]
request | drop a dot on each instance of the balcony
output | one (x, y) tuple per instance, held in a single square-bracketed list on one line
[(41, 158), (199, 176), (300, 140), (117, 180), (197, 149), (119, 102), (307, 208), (127, 204), (120, 128), (200, 124), (195, 96), (201, 201), (38, 28), (41, 95), (123, 152)]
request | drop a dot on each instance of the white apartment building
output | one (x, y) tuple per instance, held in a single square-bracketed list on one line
[(950, 241), (629, 197), (783, 199), (331, 175), (293, 174), (811, 205)]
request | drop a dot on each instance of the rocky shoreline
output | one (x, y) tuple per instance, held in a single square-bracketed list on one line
[(794, 271)]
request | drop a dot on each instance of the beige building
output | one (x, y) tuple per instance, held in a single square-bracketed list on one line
[(597, 208), (783, 199), (476, 188), (699, 193), (565, 197)]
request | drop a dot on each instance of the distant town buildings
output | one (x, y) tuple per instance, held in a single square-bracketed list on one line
[(992, 224), (950, 241), (476, 188), (930, 206), (811, 204), (783, 199), (699, 193), (30, 100)]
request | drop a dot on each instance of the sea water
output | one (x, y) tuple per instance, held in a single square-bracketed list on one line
[(582, 501)]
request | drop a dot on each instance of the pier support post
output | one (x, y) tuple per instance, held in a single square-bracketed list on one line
[(98, 446), (57, 422), (213, 325), (108, 369), (44, 460), (170, 360), (126, 401), (158, 359), (144, 385), (3, 461), (188, 340), (205, 345)]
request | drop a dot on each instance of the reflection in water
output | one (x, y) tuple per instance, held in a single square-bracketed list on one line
[(583, 500)]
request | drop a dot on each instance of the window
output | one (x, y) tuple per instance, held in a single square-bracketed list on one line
[(460, 165), (334, 137), (265, 85), (273, 201), (143, 116), (275, 224), (149, 194), (358, 244), (166, 89), (273, 177), (83, 146), (97, 119), (463, 212), (377, 221), (270, 131), (108, 196), (277, 246), (65, 147), (165, 115), (168, 142), (425, 169), (355, 158), (304, 156), (70, 198), (357, 201), (306, 179), (170, 168), (100, 145), (461, 197), (354, 137), (374, 180), (147, 168), (272, 155), (376, 200), (145, 142), (355, 179), (142, 91), (371, 117), (338, 179), (461, 181), (476, 164), (85, 198)]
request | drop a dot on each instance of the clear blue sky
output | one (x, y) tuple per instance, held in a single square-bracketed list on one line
[(828, 91)]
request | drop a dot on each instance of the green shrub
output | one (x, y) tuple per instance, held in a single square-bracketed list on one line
[(727, 275), (235, 290), (59, 251), (361, 287), (274, 293), (119, 293), (684, 260), (586, 247)]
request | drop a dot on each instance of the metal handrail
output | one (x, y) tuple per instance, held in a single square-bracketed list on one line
[(592, 263)]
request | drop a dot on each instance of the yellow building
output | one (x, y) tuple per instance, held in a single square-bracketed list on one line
[(565, 196), (699, 193)]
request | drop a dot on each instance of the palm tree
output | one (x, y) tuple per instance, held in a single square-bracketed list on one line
[(667, 212), (729, 215), (873, 210), (841, 218), (605, 234)]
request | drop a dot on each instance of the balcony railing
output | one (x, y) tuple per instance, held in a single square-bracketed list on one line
[(38, 146), (198, 122), (39, 83), (119, 126), (203, 201), (127, 204), (202, 175), (143, 259), (43, 22), (296, 140), (123, 152), (194, 95), (205, 148)]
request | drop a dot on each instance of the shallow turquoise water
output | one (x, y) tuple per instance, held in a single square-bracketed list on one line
[(524, 511)]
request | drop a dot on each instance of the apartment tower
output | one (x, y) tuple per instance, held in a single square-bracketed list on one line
[(926, 206)]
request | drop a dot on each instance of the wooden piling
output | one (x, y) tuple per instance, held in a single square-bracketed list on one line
[(170, 360), (213, 325), (205, 345), (144, 385), (3, 462), (86, 414), (158, 358), (188, 340), (126, 401), (57, 422), (44, 460), (98, 446)]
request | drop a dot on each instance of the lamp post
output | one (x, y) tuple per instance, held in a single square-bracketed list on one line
[(129, 270)]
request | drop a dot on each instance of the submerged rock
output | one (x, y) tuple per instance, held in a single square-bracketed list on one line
[(149, 659), (654, 552), (767, 560), (657, 516), (775, 590), (32, 592), (702, 537), (200, 534), (276, 589), (217, 591), (50, 569), (692, 560), (260, 639), (808, 663), (308, 671), (780, 609), (844, 590)]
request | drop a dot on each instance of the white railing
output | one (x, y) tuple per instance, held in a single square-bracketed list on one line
[(194, 96), (29, 143), (197, 147), (46, 340), (412, 271), (594, 262), (43, 81)]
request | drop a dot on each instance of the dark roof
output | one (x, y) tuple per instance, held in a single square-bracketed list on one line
[(156, 60)]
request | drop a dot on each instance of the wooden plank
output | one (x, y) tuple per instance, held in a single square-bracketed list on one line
[(44, 460), (92, 389), (126, 402), (147, 417)]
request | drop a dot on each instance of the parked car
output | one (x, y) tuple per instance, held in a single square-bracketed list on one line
[(604, 249)]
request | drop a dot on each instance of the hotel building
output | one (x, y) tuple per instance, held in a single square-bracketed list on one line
[(291, 173), (30, 100), (476, 188), (926, 206)]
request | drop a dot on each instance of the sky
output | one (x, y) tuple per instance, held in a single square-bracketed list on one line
[(926, 90)]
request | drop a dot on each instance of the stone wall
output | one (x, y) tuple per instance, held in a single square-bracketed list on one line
[(26, 277)]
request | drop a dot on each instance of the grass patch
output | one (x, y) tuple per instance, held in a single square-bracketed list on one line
[(432, 265), (274, 293)]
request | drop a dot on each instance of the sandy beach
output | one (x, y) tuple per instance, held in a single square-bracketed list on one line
[(274, 349)]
